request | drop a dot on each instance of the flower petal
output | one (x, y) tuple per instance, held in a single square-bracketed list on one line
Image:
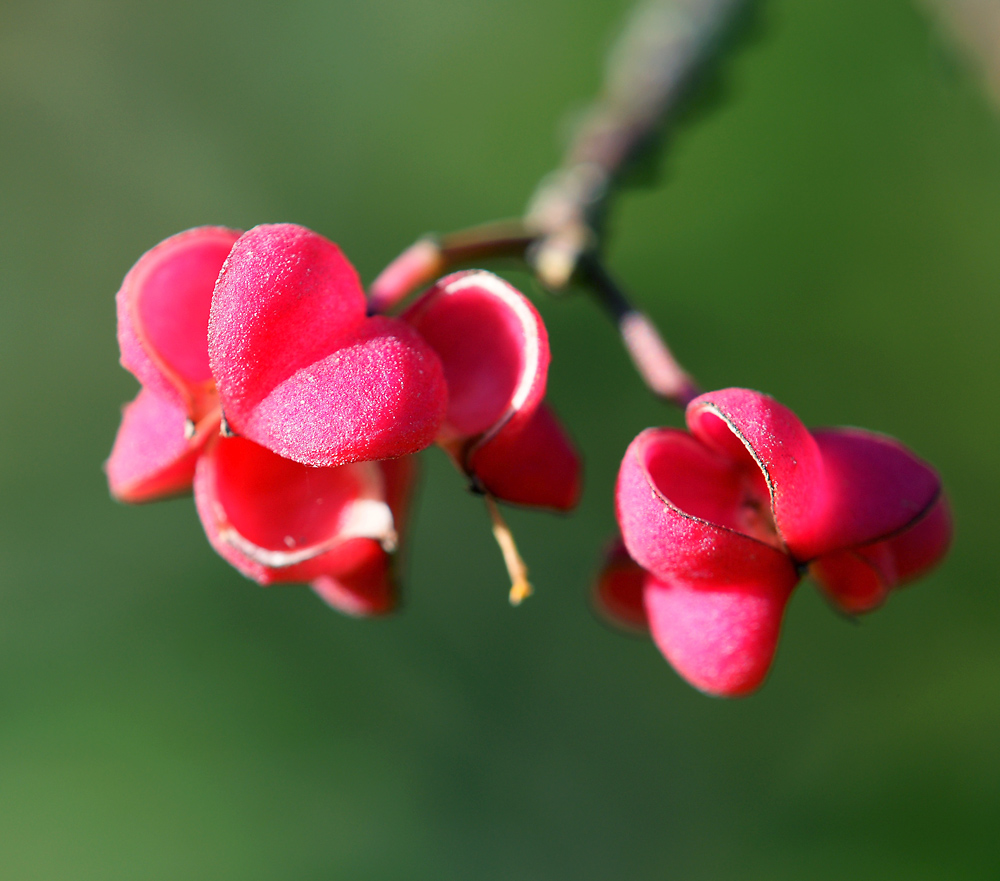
[(400, 478), (529, 462), (830, 489), (860, 579), (873, 487), (163, 308), (380, 395), (494, 349), (618, 593), (277, 520), (362, 583), (284, 299), (750, 427), (299, 367), (720, 637), (153, 457), (688, 513)]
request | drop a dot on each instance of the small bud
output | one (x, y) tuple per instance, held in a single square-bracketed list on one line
[(416, 267)]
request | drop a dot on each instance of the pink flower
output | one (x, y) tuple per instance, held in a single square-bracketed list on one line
[(274, 519), (722, 522), (265, 336), (495, 354)]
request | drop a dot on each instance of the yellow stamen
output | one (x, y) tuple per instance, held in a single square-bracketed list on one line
[(520, 588)]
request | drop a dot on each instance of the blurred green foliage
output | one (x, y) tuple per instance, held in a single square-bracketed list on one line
[(828, 234)]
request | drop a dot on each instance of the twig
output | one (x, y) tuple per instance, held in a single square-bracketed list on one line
[(974, 26), (663, 47), (429, 257), (665, 43), (646, 347)]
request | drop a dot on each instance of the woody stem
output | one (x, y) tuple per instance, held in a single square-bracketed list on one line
[(652, 67), (649, 352), (431, 257)]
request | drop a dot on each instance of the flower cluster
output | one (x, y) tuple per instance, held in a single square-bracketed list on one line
[(293, 414), (719, 523)]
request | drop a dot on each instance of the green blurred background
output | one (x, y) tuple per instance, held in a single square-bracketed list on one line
[(827, 232)]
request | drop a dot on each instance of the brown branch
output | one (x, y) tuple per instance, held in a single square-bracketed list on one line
[(651, 67), (974, 27), (429, 258), (649, 352), (664, 45)]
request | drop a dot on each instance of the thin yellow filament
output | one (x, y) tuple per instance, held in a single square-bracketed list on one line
[(520, 588)]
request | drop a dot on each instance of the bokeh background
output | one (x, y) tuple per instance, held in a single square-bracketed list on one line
[(825, 229)]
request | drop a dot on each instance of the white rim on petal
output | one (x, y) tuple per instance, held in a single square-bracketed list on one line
[(367, 516), (532, 350)]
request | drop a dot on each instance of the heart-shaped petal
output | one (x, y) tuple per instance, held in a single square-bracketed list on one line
[(859, 579), (618, 592), (302, 371), (494, 349), (752, 429), (277, 520), (720, 637), (873, 487), (163, 308), (689, 513), (154, 453), (531, 462)]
